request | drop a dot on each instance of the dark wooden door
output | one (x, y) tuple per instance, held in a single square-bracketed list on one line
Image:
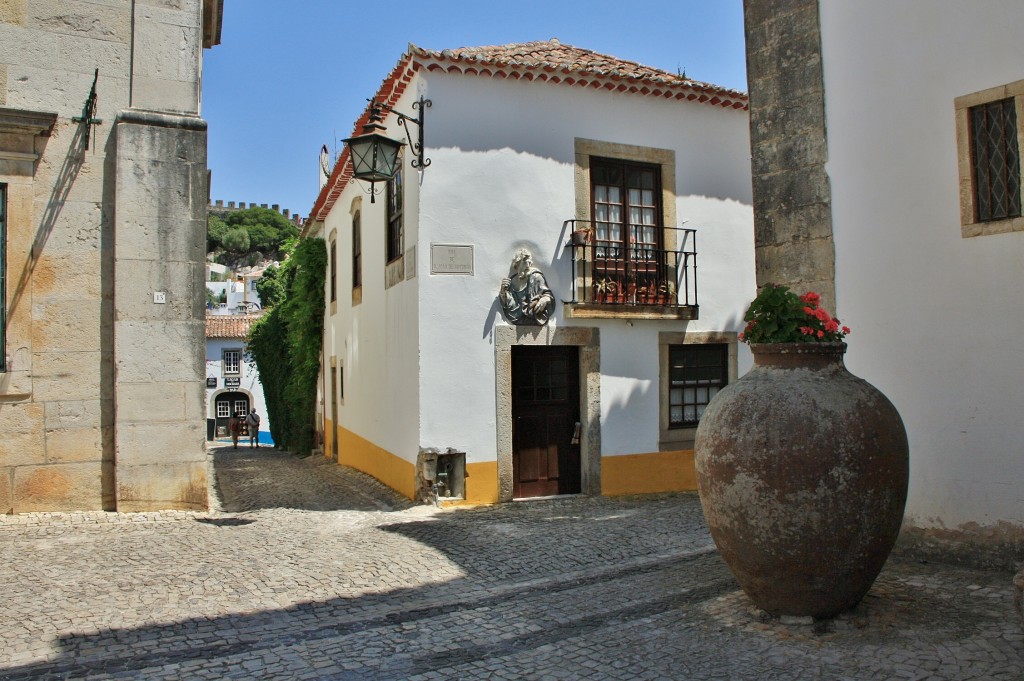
[(545, 411)]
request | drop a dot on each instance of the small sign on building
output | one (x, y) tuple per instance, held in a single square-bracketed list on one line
[(232, 382), (451, 259), (211, 382)]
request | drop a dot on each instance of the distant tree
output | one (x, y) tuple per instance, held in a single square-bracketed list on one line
[(270, 287), (267, 231), (216, 229), (236, 241)]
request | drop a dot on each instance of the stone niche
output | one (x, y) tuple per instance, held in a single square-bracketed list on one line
[(441, 475)]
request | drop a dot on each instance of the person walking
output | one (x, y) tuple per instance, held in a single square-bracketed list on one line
[(235, 425), (253, 422)]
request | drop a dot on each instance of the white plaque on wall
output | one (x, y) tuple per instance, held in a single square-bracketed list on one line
[(451, 259)]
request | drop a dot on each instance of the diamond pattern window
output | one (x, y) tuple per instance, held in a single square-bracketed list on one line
[(995, 160)]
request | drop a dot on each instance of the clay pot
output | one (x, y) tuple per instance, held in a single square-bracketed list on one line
[(802, 471)]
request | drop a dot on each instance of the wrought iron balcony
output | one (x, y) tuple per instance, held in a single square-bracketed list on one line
[(624, 278)]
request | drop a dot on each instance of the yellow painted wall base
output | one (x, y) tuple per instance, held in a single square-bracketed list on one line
[(648, 473), (363, 455), (481, 485)]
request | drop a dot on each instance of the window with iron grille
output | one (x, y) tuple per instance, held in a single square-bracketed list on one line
[(995, 160), (627, 215), (232, 361), (334, 271), (395, 236), (3, 277), (357, 250), (696, 374)]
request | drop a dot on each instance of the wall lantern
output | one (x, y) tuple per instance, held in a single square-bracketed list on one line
[(375, 155)]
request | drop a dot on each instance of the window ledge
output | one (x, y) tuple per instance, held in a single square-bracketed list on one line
[(616, 311), (994, 227)]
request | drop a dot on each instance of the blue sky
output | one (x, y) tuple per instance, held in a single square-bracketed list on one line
[(289, 77)]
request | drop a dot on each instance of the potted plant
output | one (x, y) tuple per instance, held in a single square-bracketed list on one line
[(605, 290), (667, 292), (581, 236), (802, 467)]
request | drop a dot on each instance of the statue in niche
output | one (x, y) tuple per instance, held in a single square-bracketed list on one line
[(525, 297)]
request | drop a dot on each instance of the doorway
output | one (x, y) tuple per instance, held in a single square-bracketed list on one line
[(227, 404), (545, 421)]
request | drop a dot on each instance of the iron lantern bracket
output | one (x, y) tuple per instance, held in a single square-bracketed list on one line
[(417, 147)]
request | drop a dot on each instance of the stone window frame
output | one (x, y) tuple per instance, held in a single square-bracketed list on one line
[(665, 159), (355, 211), (969, 227), (674, 438), (224, 362)]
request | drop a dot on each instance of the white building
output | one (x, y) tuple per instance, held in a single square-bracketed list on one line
[(232, 380), (239, 294), (525, 143), (923, 127)]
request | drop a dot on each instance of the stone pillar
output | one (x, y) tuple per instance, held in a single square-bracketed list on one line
[(792, 197), (159, 331)]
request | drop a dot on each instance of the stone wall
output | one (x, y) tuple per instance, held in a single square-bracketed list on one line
[(792, 199), (159, 332), (69, 438)]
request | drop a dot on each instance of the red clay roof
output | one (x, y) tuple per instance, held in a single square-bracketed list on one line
[(547, 61), (556, 58), (229, 326)]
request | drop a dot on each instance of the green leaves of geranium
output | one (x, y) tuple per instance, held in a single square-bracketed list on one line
[(777, 315)]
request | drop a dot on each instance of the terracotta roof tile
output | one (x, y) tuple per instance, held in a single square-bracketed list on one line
[(229, 326), (557, 56)]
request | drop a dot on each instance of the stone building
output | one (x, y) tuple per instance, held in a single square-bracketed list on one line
[(103, 195), (886, 145), (618, 179)]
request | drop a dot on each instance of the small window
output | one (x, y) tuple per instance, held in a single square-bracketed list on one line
[(696, 374), (995, 160), (357, 250), (988, 144), (334, 271), (232, 361), (241, 407), (395, 236), (223, 409)]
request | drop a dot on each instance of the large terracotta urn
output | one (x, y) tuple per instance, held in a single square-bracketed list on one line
[(802, 471)]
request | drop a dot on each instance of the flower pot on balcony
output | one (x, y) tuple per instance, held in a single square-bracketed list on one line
[(802, 471), (580, 237)]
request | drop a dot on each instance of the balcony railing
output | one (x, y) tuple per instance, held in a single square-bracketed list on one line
[(633, 276)]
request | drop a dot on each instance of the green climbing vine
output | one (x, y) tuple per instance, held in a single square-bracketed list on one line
[(285, 343)]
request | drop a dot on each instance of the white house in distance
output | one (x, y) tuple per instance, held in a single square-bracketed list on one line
[(921, 143), (239, 294), (428, 379), (232, 381)]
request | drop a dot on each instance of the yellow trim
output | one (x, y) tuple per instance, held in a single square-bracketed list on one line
[(363, 455), (648, 473), (481, 485)]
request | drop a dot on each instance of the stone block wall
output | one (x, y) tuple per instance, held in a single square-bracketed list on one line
[(792, 198), (70, 438)]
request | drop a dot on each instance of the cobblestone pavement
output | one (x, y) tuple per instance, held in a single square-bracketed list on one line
[(311, 571)]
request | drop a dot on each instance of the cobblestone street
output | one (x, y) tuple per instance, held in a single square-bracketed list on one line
[(307, 570)]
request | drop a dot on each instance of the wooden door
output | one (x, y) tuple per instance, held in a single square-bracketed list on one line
[(545, 411)]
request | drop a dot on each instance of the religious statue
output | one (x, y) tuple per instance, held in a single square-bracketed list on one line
[(525, 298)]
